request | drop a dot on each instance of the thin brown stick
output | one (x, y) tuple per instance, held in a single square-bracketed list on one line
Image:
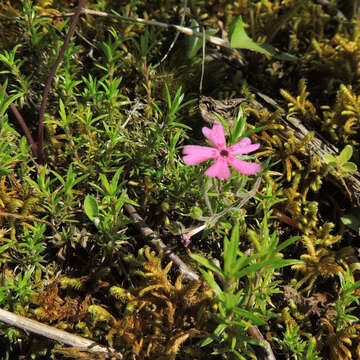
[(55, 334), (255, 333), (23, 126), (156, 241), (40, 140)]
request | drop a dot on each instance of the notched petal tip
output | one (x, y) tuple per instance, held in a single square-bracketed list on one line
[(216, 135)]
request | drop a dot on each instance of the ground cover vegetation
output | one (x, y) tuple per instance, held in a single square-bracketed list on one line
[(115, 227)]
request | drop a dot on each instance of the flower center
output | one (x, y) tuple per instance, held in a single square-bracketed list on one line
[(224, 153)]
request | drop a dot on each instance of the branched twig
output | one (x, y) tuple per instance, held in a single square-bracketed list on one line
[(238, 204), (53, 333), (40, 140), (185, 30), (157, 242)]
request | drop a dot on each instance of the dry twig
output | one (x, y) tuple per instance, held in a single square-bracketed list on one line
[(185, 30), (156, 241), (53, 333)]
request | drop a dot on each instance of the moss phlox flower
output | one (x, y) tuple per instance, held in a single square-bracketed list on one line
[(224, 156)]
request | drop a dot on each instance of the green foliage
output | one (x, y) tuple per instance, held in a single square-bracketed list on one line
[(341, 164), (116, 120), (243, 305), (16, 290), (239, 38), (352, 220), (297, 348)]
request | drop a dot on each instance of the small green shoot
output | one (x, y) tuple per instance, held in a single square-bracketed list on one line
[(340, 164)]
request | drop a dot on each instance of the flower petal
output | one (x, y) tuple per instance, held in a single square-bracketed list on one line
[(216, 136), (195, 154), (244, 146), (244, 167), (219, 169)]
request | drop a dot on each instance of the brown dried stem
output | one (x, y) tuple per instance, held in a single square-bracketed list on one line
[(185, 30), (55, 334), (40, 140), (24, 127), (156, 241)]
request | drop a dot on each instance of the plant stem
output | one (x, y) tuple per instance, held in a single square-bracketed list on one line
[(185, 30), (53, 333), (24, 127), (40, 139)]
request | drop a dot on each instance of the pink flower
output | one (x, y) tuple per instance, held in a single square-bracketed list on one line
[(195, 154)]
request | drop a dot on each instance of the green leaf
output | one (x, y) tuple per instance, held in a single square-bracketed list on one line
[(352, 220), (284, 56), (207, 341), (248, 315), (253, 131), (7, 246), (207, 263), (239, 38), (214, 285), (5, 102), (224, 123), (231, 250), (346, 154), (349, 167), (286, 244), (352, 287), (219, 329), (330, 159), (270, 264), (193, 43), (91, 207)]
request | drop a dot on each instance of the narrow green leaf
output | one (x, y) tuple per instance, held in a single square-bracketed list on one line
[(207, 341), (231, 250), (214, 285), (286, 243), (7, 246), (284, 56), (219, 329), (224, 123), (270, 263), (207, 263), (249, 316)]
